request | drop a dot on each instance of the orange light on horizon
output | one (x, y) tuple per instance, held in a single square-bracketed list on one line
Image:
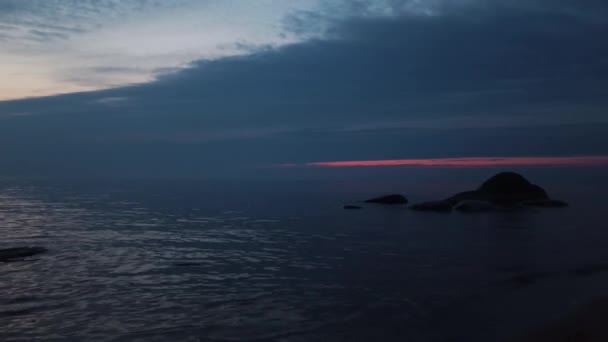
[(468, 162)]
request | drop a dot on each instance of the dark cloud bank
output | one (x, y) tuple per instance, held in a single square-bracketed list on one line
[(469, 81)]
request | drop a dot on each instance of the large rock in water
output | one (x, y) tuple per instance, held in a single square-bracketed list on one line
[(505, 188), (12, 254), (389, 199)]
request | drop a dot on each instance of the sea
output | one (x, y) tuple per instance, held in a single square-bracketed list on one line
[(189, 260)]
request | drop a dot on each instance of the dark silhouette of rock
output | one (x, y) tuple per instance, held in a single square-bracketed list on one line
[(437, 206), (474, 206), (510, 182), (390, 199), (546, 203), (464, 196), (509, 187), (352, 207), (505, 189), (12, 254)]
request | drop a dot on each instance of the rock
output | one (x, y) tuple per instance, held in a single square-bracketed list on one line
[(510, 187), (504, 189), (465, 196), (352, 207), (390, 199), (12, 254), (437, 206), (546, 203), (473, 206), (511, 183)]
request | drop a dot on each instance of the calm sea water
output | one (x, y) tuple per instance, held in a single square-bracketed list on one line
[(203, 261)]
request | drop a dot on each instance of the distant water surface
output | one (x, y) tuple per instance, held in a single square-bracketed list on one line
[(261, 261)]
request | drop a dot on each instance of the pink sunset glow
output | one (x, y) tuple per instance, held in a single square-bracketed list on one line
[(471, 162)]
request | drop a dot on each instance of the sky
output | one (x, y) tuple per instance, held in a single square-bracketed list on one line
[(62, 46), (238, 88)]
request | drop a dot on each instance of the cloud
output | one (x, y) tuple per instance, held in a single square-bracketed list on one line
[(578, 161), (112, 100), (55, 17), (402, 67), (320, 21), (46, 35), (451, 82), (70, 45)]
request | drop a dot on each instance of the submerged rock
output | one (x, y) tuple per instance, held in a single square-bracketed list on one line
[(12, 254), (389, 199), (473, 206), (437, 206), (352, 207)]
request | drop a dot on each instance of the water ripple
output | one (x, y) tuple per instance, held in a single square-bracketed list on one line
[(126, 267)]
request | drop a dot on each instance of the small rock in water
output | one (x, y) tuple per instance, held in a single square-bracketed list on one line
[(12, 254), (438, 206), (352, 207), (390, 199)]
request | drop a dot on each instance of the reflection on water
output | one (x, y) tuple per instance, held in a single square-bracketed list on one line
[(168, 263)]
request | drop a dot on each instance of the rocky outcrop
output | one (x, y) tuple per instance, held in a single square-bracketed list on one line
[(505, 188), (12, 254), (389, 199), (504, 191)]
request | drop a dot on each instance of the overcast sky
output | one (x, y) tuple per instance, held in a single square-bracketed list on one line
[(236, 87)]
